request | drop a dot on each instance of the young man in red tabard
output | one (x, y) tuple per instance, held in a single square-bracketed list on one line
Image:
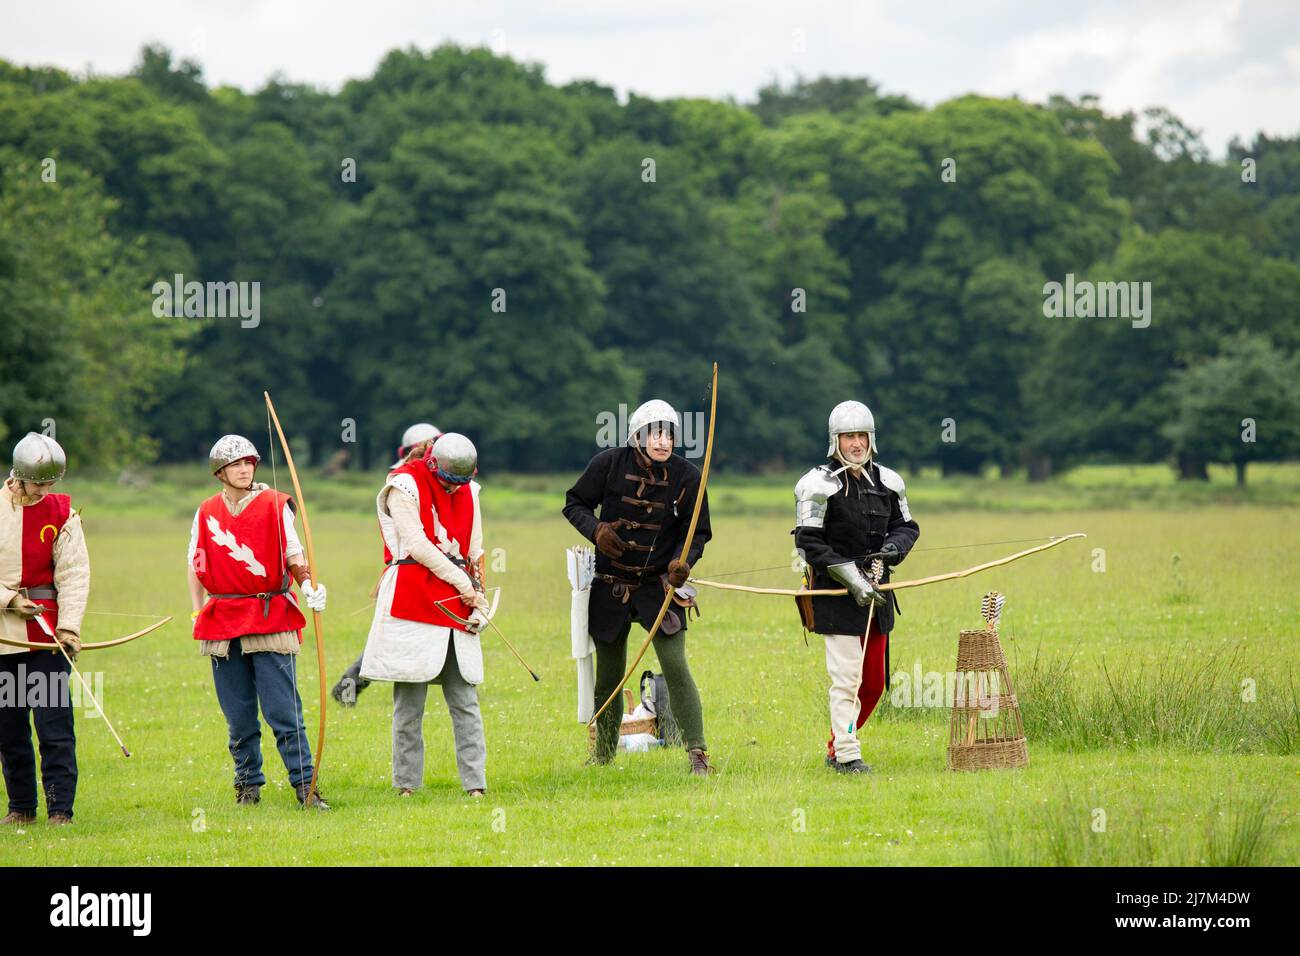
[(243, 554), (44, 573)]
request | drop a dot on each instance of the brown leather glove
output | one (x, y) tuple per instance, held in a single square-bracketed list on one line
[(26, 609), (71, 643), (678, 572), (609, 543)]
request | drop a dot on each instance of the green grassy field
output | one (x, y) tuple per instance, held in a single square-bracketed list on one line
[(1142, 749)]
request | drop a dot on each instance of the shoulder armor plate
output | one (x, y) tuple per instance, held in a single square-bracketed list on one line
[(811, 492), (894, 482)]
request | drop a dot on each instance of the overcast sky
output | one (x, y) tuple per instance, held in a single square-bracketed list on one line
[(1226, 67)]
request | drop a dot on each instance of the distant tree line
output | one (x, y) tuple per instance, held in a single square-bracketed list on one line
[(456, 239)]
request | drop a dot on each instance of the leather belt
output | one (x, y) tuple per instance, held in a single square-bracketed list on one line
[(621, 588), (263, 596)]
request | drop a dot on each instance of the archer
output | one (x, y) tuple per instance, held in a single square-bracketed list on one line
[(850, 513), (243, 553)]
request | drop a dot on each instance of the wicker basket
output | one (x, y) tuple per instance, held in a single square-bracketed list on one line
[(986, 731), (643, 725)]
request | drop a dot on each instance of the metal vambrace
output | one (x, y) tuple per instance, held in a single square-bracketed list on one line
[(859, 585)]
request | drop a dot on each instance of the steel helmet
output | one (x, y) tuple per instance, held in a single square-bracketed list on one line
[(846, 418), (38, 458), (230, 449), (655, 410), (412, 437), (453, 458), (418, 433)]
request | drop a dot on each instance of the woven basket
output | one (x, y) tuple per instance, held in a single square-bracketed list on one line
[(992, 754), (985, 731), (644, 725)]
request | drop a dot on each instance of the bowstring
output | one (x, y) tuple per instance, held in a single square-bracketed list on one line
[(284, 570), (686, 547), (699, 492), (124, 614), (686, 550)]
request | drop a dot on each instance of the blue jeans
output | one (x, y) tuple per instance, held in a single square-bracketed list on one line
[(245, 680)]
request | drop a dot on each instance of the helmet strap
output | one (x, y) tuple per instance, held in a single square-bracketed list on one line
[(642, 453), (642, 459), (855, 467), (18, 489), (221, 477)]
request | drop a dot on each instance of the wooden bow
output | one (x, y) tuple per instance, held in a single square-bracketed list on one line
[(90, 647), (315, 615), (895, 585), (467, 624), (686, 547)]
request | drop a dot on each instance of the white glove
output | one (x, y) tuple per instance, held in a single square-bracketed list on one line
[(315, 595), (477, 621)]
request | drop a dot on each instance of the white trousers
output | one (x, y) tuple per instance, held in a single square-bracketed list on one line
[(843, 665)]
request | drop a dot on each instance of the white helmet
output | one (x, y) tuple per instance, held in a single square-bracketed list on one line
[(655, 410), (38, 458), (418, 433), (849, 417), (412, 437)]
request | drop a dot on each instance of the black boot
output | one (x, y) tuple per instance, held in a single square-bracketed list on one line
[(348, 689), (853, 766)]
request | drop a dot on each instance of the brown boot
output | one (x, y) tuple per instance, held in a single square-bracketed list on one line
[(19, 818), (58, 819), (699, 761), (247, 794), (312, 799)]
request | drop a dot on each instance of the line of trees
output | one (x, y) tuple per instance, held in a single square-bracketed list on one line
[(456, 239)]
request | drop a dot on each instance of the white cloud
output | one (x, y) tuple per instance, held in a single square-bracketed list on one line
[(1189, 56)]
